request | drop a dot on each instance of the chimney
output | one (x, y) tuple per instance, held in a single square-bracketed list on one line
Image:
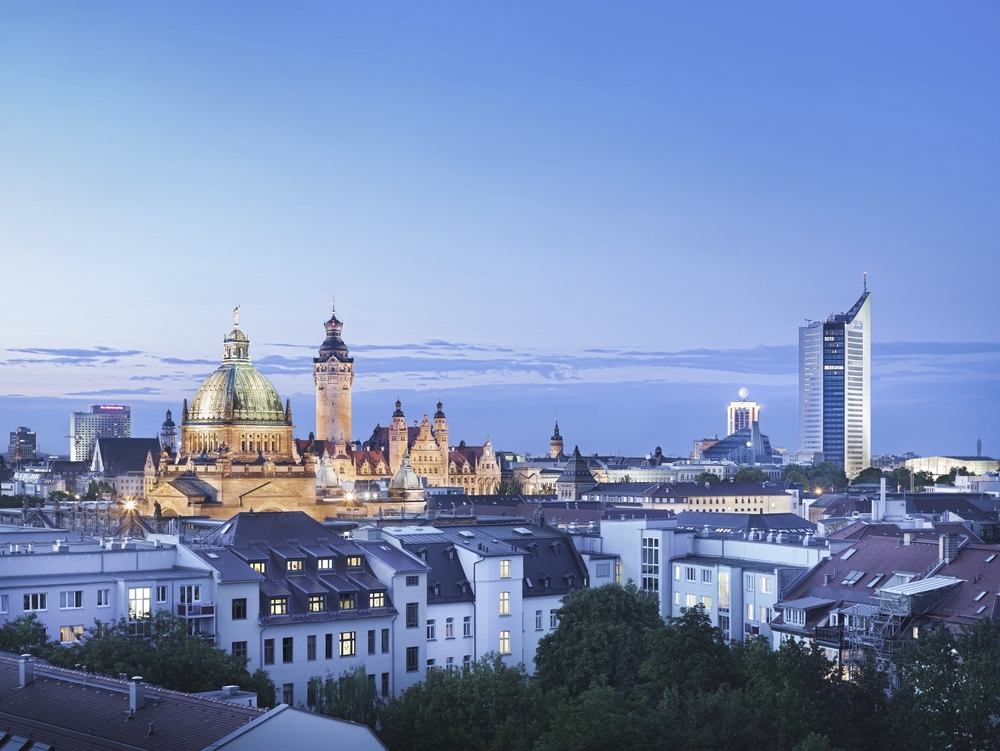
[(27, 670), (826, 579), (136, 694), (907, 538), (948, 547)]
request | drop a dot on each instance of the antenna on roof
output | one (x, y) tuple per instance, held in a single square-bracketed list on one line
[(865, 273)]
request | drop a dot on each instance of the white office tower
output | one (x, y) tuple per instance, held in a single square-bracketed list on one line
[(835, 387), (741, 414), (103, 421)]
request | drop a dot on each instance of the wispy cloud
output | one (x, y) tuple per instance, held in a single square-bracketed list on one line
[(145, 390)]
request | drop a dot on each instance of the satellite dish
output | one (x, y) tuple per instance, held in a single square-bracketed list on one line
[(744, 393)]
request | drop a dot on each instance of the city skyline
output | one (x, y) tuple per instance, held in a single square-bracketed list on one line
[(622, 215)]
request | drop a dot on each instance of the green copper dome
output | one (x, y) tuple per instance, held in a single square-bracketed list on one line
[(237, 392)]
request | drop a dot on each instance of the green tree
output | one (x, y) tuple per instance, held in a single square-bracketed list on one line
[(750, 474), (487, 706), (351, 696), (868, 476), (509, 486), (689, 655), (161, 651), (949, 692), (25, 635), (600, 718), (600, 640), (706, 477)]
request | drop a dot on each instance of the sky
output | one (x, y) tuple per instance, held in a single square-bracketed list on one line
[(620, 214)]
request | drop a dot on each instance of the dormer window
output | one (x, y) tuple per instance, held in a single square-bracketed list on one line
[(348, 601), (437, 590), (279, 605), (324, 564), (376, 599), (293, 565), (317, 603), (354, 561), (259, 566)]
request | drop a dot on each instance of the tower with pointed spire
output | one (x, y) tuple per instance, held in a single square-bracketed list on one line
[(333, 374), (556, 444)]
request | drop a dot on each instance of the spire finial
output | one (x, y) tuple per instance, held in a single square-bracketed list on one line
[(236, 315), (865, 273), (333, 303)]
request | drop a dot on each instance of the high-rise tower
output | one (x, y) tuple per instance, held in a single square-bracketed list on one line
[(835, 387), (741, 414), (333, 373)]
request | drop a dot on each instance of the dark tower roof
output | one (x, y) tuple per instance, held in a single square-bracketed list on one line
[(576, 469), (439, 415), (555, 433), (399, 409), (333, 347), (169, 422)]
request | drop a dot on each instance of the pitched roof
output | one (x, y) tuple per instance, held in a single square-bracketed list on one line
[(69, 709), (121, 455)]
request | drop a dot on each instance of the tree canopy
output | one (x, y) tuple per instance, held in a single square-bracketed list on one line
[(750, 474)]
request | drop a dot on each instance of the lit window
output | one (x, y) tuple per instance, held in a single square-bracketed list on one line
[(324, 563), (677, 598), (348, 601), (70, 633), (677, 573), (347, 643), (376, 599), (766, 585), (505, 642), (505, 603), (354, 561), (765, 614), (706, 602), (138, 603), (279, 605), (259, 566), (505, 569), (690, 600), (295, 565), (317, 603), (750, 612)]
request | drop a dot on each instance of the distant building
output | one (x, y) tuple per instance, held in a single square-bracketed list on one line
[(168, 434), (701, 445), (942, 465), (747, 446), (122, 463), (835, 387), (103, 420), (576, 478), (741, 414), (23, 446)]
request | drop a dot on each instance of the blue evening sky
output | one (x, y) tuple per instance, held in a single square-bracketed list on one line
[(618, 212)]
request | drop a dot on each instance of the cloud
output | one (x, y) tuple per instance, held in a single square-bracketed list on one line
[(145, 390), (95, 352)]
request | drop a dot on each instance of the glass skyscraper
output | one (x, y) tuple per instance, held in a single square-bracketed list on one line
[(103, 421), (835, 387)]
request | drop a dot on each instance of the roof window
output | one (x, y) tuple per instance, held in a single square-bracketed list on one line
[(990, 558), (875, 581), (980, 596), (848, 554), (852, 578)]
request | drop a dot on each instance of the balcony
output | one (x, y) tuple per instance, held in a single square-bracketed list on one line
[(830, 636), (196, 610)]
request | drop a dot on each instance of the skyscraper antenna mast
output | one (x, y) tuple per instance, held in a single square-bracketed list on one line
[(866, 280)]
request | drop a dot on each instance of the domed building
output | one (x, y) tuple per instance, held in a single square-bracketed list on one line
[(237, 410), (236, 451)]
